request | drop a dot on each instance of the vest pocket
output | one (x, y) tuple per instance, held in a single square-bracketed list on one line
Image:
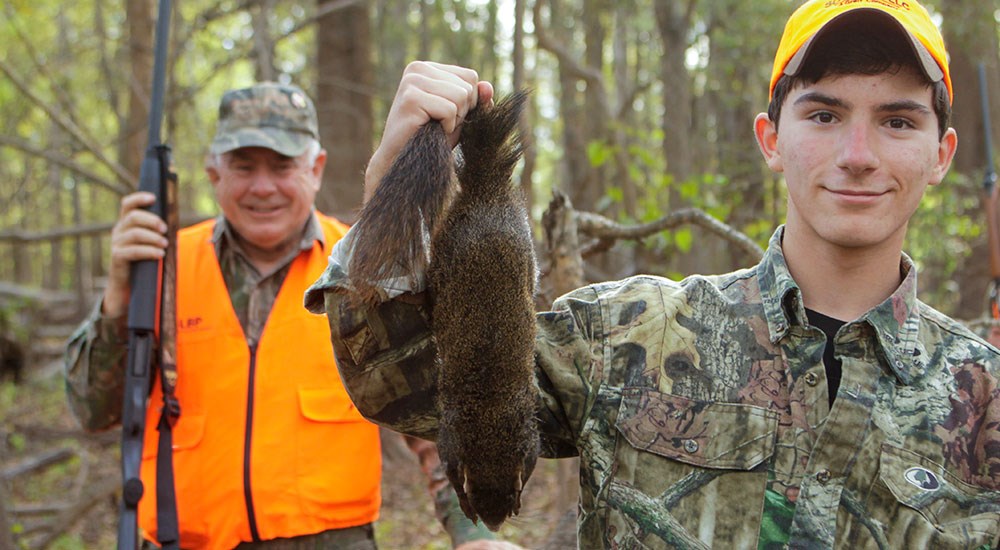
[(327, 405), (678, 457), (337, 460), (186, 434), (955, 514)]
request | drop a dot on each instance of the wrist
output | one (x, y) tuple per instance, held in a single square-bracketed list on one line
[(373, 174), (114, 304), (459, 528)]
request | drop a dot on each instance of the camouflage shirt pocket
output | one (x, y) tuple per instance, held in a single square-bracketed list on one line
[(709, 434), (678, 463), (956, 514)]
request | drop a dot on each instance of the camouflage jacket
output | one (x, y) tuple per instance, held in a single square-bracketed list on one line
[(700, 413), (94, 365)]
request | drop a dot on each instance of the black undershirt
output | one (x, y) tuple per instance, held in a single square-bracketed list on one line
[(829, 326)]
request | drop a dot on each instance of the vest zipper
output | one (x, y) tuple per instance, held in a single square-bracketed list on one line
[(247, 492)]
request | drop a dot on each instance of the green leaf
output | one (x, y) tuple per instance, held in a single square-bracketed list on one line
[(683, 239), (599, 153)]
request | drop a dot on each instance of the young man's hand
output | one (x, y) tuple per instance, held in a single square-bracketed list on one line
[(427, 91)]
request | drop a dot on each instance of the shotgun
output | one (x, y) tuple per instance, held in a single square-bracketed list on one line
[(151, 308)]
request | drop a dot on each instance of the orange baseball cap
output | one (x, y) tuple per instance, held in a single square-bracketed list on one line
[(812, 17)]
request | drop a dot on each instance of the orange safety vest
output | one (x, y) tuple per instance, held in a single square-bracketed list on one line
[(268, 443)]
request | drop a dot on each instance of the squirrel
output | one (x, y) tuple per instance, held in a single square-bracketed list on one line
[(476, 245)]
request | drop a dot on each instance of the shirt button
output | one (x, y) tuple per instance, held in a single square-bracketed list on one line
[(811, 378), (691, 446), (823, 476)]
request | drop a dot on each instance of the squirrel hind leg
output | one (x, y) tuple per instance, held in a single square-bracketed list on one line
[(490, 144)]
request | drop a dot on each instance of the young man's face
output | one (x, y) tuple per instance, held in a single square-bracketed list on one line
[(265, 195), (857, 153)]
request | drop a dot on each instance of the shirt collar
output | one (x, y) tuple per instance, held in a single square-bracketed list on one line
[(895, 322)]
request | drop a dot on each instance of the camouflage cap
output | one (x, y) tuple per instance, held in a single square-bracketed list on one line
[(276, 116)]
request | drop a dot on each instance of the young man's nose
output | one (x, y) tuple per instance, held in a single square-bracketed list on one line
[(857, 151)]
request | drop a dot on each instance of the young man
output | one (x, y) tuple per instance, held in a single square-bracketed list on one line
[(268, 450), (808, 402)]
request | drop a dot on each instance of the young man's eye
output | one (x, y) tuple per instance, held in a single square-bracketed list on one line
[(899, 124), (824, 117)]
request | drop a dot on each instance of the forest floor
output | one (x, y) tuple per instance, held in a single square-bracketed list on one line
[(62, 485)]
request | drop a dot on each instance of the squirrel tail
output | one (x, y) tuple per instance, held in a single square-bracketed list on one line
[(392, 234), (490, 148)]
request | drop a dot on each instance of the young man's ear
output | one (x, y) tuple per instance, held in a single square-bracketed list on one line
[(946, 152), (767, 140)]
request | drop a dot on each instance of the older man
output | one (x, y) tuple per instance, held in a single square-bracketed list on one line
[(268, 452)]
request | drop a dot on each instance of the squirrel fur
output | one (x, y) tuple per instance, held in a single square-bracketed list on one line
[(482, 274)]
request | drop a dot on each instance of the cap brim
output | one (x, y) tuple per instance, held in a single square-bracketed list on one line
[(291, 144), (926, 60)]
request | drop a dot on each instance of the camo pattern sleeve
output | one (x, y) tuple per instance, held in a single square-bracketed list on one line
[(701, 415), (94, 365)]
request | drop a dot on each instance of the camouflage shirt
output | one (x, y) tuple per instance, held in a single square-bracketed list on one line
[(700, 413), (95, 358)]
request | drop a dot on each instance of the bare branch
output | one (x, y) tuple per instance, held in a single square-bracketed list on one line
[(85, 230), (592, 76), (38, 462), (64, 521), (67, 124), (598, 226), (19, 236), (65, 162), (44, 433)]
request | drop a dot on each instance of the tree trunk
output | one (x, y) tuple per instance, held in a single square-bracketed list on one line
[(565, 264), (575, 174), (20, 251), (595, 123), (263, 43), (520, 82), (393, 33), (970, 31), (344, 107), (139, 14), (6, 542), (673, 21)]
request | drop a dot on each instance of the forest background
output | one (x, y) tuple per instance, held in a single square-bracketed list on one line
[(641, 110)]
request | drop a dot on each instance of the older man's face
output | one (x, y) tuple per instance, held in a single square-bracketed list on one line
[(265, 195)]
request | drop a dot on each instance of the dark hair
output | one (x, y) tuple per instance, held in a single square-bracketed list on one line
[(877, 46)]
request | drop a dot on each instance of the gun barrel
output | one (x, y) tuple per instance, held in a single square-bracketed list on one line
[(990, 176), (144, 302)]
